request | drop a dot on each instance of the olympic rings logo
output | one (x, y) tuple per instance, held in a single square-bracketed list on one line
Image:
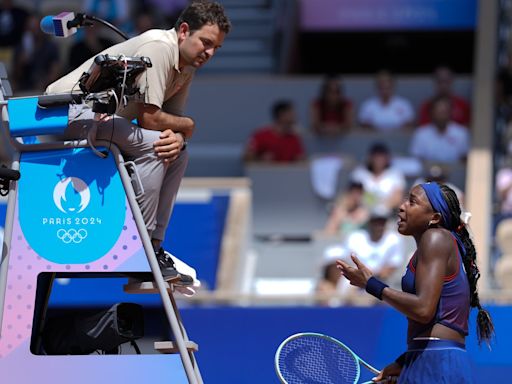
[(71, 235)]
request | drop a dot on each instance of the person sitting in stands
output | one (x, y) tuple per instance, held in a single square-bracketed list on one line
[(382, 183), (381, 250), (461, 112), (386, 111), (331, 112), (278, 142), (349, 212), (443, 140)]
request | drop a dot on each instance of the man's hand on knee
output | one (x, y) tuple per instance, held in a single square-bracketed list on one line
[(169, 146)]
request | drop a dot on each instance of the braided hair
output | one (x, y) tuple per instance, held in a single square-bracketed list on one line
[(485, 327)]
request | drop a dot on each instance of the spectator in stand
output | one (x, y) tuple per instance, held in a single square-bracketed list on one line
[(442, 140), (144, 22), (331, 112), (278, 142), (443, 77), (504, 191), (12, 21), (12, 24), (380, 249), (382, 184), (349, 212), (36, 59), (439, 174), (386, 111), (117, 12)]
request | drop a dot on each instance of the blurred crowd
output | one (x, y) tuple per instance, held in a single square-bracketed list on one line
[(362, 212), (35, 59)]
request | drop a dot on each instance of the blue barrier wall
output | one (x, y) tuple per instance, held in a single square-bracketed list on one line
[(237, 345)]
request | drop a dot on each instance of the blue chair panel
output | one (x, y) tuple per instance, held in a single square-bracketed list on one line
[(26, 118)]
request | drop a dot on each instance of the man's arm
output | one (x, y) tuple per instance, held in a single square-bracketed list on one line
[(151, 117)]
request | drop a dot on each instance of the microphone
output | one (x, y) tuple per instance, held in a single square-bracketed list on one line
[(64, 24)]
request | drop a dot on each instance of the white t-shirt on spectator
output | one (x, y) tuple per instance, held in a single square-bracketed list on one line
[(379, 189), (386, 117), (429, 144), (387, 252)]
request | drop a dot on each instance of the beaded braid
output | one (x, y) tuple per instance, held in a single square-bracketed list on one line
[(485, 327)]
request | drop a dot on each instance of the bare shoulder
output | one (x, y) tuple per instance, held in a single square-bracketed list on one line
[(436, 242)]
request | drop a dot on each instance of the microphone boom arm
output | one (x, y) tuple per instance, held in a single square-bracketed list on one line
[(84, 20)]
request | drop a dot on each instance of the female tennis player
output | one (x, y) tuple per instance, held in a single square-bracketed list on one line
[(439, 288)]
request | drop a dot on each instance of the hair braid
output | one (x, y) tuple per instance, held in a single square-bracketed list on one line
[(485, 327)]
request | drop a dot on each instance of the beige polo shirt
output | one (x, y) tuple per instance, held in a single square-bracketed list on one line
[(163, 85)]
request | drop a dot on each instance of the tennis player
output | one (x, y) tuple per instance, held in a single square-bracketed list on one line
[(439, 288)]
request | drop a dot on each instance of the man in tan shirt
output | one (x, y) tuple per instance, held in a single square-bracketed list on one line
[(157, 143)]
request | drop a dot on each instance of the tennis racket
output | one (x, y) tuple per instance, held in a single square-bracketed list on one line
[(313, 358)]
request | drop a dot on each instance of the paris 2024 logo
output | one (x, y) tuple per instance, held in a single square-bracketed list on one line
[(73, 219)]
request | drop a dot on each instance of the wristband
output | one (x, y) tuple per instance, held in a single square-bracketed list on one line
[(375, 287), (400, 360)]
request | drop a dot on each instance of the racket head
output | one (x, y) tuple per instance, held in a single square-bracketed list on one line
[(314, 358)]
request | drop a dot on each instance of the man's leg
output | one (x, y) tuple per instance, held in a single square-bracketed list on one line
[(136, 144), (158, 178), (168, 192)]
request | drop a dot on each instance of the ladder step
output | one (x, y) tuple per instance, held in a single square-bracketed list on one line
[(170, 347), (137, 286)]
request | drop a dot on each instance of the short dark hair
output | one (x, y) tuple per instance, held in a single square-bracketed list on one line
[(279, 107), (200, 13)]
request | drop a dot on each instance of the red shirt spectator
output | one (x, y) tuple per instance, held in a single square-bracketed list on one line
[(461, 112), (331, 112), (269, 145), (278, 142)]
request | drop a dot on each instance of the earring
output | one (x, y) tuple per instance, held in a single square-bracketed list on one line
[(430, 223)]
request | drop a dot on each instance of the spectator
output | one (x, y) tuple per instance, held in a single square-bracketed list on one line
[(12, 24), (144, 21), (331, 112), (442, 140), (504, 191), (381, 250), (439, 174), (386, 111), (117, 12), (328, 283), (349, 212), (36, 59), (443, 77), (382, 184), (278, 142), (87, 45), (12, 21)]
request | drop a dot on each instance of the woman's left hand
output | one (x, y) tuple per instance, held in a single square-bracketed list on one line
[(357, 275)]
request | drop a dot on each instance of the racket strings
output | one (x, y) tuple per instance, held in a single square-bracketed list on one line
[(317, 360)]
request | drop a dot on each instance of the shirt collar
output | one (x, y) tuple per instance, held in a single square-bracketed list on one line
[(173, 37)]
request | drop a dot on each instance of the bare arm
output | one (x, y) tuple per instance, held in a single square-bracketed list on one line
[(152, 117), (432, 255)]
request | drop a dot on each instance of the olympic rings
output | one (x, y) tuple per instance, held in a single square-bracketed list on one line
[(71, 235)]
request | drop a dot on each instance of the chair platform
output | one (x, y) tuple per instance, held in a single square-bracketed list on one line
[(169, 347)]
